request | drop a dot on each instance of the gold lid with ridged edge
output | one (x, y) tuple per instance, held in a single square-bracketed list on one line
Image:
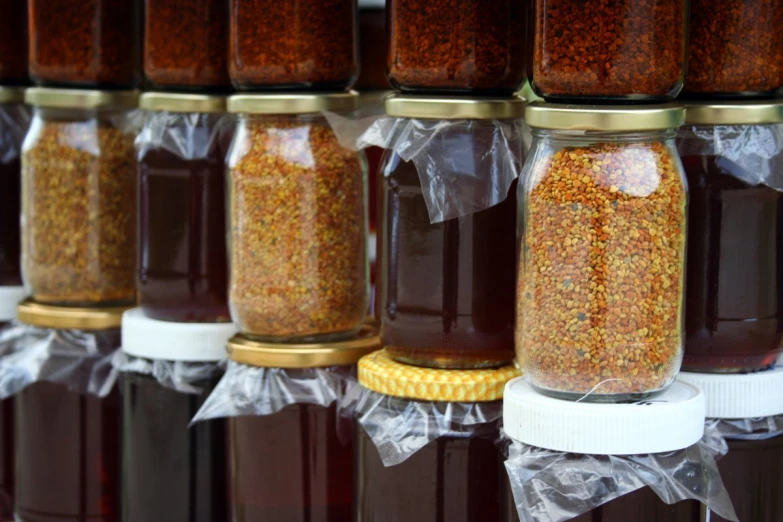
[(80, 99), (302, 103), (454, 107), (380, 373), (69, 318), (174, 102), (304, 355), (604, 118), (734, 113), (12, 94)]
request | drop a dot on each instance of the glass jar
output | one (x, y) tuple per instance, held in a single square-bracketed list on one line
[(747, 412), (79, 186), (282, 44), (298, 207), (736, 48), (447, 293), (602, 254), (67, 440), (186, 44), (474, 47), (734, 292), (14, 122), (182, 267), (169, 370), (294, 464), (13, 42), (372, 47), (7, 456), (87, 43), (629, 50), (458, 476)]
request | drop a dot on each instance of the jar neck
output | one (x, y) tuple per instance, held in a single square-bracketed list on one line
[(608, 136)]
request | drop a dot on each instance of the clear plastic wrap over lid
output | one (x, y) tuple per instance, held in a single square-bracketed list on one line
[(182, 376), (189, 126), (250, 390), (565, 458), (747, 429), (467, 151), (402, 408), (746, 137), (78, 359)]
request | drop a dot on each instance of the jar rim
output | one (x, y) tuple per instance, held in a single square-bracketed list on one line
[(186, 103), (734, 113), (304, 355), (454, 107), (12, 94), (67, 317), (606, 118), (80, 99), (299, 103)]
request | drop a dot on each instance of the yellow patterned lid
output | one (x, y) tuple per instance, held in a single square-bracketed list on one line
[(380, 373)]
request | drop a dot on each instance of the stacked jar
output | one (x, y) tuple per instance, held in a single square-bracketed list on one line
[(67, 413), (171, 471)]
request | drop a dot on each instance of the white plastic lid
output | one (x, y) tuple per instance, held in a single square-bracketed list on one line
[(153, 339), (10, 296), (740, 396), (674, 420)]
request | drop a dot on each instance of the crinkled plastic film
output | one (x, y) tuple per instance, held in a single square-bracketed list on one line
[(182, 376), (401, 427), (747, 429), (464, 166), (250, 390), (80, 360), (552, 486), (752, 153), (14, 122), (189, 136)]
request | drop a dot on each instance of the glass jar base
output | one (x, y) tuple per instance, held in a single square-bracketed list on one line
[(331, 337), (729, 363), (602, 398), (449, 361)]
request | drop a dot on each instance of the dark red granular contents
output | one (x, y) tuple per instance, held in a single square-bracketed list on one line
[(186, 43), (736, 47), (279, 44), (634, 49), (85, 42), (469, 46), (13, 42)]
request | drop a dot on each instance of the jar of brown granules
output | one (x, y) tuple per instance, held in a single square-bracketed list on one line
[(79, 197), (93, 43), (609, 50), (602, 254), (283, 44), (297, 199), (470, 47), (736, 48), (186, 44)]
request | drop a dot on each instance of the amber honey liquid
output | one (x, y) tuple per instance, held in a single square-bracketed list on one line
[(448, 293), (182, 227), (734, 284), (67, 455), (7, 453), (10, 208), (290, 467)]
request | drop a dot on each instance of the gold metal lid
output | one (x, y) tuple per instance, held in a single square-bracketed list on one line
[(80, 99), (454, 107), (12, 94), (604, 118), (164, 101), (734, 113), (275, 355), (302, 103), (382, 374), (65, 317)]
